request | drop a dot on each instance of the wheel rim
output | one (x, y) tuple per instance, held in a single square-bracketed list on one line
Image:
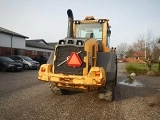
[(26, 67)]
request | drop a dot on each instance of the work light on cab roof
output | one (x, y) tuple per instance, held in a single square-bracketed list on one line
[(89, 18)]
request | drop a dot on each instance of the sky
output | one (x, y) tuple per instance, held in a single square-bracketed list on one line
[(47, 19)]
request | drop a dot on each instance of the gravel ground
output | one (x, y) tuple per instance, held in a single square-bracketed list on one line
[(23, 97)]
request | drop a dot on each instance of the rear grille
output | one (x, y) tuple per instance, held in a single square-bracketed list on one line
[(62, 52)]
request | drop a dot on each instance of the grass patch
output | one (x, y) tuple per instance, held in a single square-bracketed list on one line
[(143, 66), (140, 68)]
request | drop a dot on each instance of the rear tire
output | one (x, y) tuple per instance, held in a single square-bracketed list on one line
[(55, 90), (107, 92), (116, 74)]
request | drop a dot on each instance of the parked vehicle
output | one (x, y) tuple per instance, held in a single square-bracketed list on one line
[(29, 63), (41, 59), (7, 64), (22, 62)]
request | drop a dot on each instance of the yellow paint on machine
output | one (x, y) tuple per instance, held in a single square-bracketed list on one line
[(92, 76), (95, 78)]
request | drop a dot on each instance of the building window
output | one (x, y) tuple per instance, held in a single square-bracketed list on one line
[(45, 53), (21, 52), (34, 52)]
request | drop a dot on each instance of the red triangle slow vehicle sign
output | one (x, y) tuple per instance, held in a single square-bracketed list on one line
[(74, 60)]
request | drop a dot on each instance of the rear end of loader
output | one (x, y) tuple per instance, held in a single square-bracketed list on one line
[(71, 68), (82, 63)]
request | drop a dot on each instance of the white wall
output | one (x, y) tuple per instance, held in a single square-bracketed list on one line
[(38, 49), (5, 40), (17, 42)]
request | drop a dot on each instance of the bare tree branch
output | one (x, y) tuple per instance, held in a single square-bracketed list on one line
[(122, 49)]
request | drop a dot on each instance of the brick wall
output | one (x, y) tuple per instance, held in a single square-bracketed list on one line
[(33, 53), (4, 51)]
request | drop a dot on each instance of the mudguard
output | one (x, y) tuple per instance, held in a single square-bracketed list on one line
[(107, 60)]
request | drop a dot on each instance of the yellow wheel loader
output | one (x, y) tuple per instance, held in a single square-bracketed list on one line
[(83, 60)]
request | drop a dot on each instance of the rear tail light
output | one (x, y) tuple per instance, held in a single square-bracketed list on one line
[(43, 69), (97, 74)]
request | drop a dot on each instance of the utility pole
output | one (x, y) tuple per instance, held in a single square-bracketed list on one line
[(159, 57), (145, 53)]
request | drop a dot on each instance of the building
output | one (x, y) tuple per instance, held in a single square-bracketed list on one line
[(38, 47), (52, 44), (11, 43)]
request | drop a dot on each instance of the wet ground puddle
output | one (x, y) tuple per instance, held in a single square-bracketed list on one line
[(130, 81)]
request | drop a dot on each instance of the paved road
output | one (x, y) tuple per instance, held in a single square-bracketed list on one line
[(23, 97)]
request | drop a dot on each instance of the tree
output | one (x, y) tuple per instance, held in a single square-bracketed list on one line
[(152, 50), (130, 51), (158, 40), (146, 48), (122, 49), (139, 48)]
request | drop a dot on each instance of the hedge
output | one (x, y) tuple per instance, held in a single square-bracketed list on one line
[(138, 71)]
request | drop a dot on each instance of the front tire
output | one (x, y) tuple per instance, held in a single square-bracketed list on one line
[(4, 69), (26, 67), (55, 90)]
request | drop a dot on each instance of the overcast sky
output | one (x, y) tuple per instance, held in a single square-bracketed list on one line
[(47, 19)]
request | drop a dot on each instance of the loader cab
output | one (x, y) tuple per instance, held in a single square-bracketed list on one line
[(98, 29), (90, 30)]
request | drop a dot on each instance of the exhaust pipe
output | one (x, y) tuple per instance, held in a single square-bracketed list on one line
[(70, 23)]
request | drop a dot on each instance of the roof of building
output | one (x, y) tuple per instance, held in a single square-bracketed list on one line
[(38, 43), (53, 44), (3, 30)]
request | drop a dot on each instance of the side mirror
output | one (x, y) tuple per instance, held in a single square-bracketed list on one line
[(109, 32)]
